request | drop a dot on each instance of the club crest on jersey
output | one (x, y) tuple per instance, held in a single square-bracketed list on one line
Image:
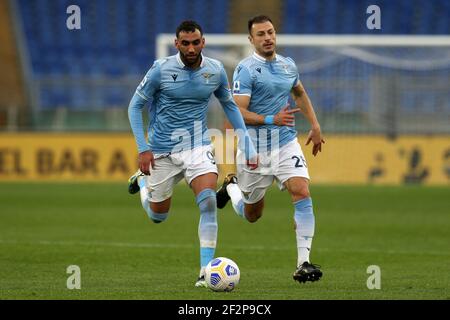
[(285, 67), (207, 76), (174, 77)]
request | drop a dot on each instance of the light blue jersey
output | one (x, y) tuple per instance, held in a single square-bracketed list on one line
[(268, 84), (180, 97)]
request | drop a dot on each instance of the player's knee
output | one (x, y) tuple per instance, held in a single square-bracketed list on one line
[(157, 217), (304, 193), (300, 192), (253, 215), (252, 218), (157, 212)]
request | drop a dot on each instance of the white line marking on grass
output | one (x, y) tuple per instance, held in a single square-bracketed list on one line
[(189, 246), (97, 243)]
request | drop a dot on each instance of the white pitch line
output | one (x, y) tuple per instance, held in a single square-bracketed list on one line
[(185, 246), (126, 244)]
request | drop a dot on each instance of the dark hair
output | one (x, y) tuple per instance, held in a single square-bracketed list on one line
[(257, 19), (188, 26)]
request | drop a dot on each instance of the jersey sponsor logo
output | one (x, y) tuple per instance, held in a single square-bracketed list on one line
[(258, 69), (239, 68), (236, 87), (174, 77)]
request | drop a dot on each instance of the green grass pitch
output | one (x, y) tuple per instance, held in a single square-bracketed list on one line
[(44, 228)]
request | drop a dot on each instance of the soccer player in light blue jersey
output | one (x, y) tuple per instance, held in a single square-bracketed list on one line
[(262, 85), (179, 88)]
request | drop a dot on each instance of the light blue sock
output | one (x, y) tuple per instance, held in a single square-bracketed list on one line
[(155, 217), (305, 224), (206, 255), (207, 227)]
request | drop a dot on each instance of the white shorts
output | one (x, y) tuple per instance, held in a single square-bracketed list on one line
[(280, 164), (171, 168)]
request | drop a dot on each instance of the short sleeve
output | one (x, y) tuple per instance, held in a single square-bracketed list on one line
[(295, 70), (242, 81)]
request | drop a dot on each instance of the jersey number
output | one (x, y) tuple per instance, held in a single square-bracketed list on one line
[(297, 163)]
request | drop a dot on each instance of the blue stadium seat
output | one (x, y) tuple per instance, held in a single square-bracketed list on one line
[(117, 39), (341, 17)]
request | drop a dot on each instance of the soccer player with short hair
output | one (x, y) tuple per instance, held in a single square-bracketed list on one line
[(262, 84), (180, 88)]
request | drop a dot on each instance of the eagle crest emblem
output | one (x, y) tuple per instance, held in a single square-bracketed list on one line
[(207, 76)]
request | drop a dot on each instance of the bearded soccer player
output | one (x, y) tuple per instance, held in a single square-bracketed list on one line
[(179, 88), (262, 84)]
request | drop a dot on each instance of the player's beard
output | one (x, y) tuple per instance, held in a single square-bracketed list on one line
[(268, 53), (189, 61)]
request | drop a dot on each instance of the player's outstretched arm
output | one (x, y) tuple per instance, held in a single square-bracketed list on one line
[(144, 93), (250, 118), (302, 100), (245, 142), (231, 110), (135, 108)]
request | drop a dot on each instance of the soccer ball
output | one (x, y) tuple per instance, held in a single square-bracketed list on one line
[(222, 274)]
